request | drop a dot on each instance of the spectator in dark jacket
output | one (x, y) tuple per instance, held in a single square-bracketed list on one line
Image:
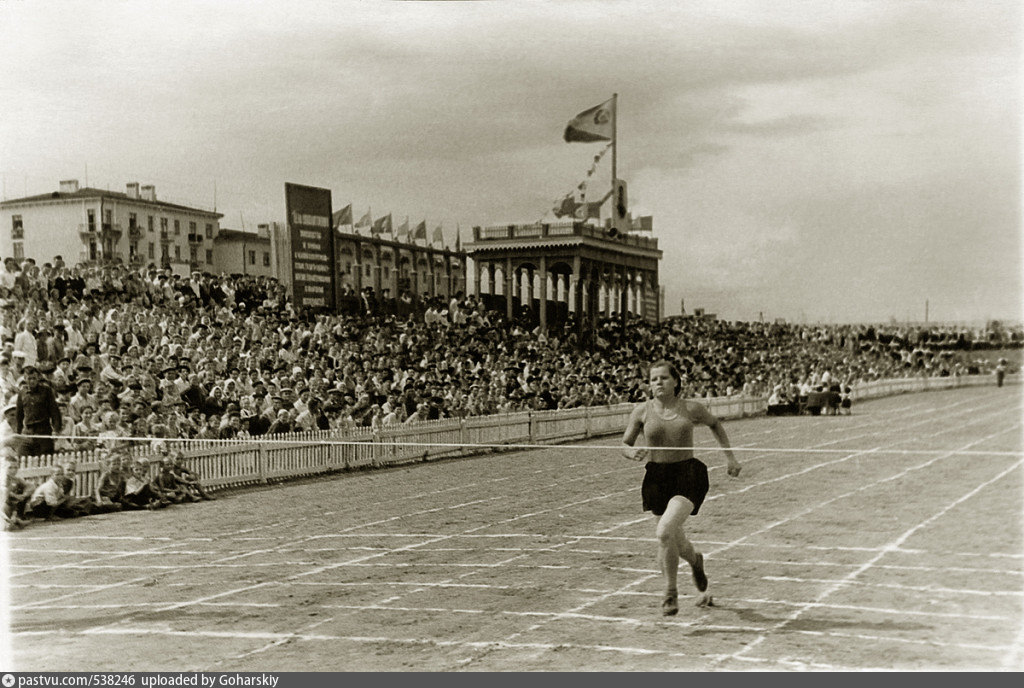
[(37, 414)]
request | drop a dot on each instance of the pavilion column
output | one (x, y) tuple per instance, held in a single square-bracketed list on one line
[(543, 293), (508, 288), (575, 296)]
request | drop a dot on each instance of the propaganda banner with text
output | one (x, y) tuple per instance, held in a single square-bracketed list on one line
[(312, 237)]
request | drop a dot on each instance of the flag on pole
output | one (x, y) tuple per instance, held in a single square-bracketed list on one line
[(592, 125), (421, 231), (365, 220), (343, 216), (381, 225), (566, 207), (438, 237), (403, 229)]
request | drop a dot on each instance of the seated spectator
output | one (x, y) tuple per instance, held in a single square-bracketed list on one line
[(17, 494), (49, 497), (189, 479), (111, 485), (139, 490), (778, 403), (171, 485), (73, 506), (845, 400)]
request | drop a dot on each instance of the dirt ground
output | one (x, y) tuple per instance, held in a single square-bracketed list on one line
[(890, 539)]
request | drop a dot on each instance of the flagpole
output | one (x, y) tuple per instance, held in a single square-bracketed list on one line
[(615, 146)]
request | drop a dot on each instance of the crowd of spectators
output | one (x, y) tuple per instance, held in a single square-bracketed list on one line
[(124, 484), (112, 355)]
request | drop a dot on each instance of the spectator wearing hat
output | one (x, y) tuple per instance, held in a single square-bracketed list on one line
[(8, 434), (37, 414), (60, 377), (82, 396)]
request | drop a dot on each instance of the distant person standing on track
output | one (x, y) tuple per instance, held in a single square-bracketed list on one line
[(676, 483), (1000, 372)]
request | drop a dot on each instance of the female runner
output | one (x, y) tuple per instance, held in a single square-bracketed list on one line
[(676, 483)]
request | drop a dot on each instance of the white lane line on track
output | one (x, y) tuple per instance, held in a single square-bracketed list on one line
[(897, 586), (481, 566), (896, 542), (876, 610), (705, 543), (883, 611), (279, 638)]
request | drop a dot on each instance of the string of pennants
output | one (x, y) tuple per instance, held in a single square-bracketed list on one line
[(385, 225), (568, 206)]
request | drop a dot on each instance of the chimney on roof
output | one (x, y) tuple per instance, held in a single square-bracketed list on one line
[(148, 192), (69, 186), (132, 190)]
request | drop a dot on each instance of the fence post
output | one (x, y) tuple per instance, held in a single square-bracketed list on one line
[(261, 463)]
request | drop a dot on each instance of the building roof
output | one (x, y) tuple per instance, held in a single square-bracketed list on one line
[(89, 192), (238, 234)]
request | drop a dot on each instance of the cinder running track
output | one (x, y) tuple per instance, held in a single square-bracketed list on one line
[(890, 539)]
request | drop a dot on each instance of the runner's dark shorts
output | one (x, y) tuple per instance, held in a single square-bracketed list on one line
[(663, 481)]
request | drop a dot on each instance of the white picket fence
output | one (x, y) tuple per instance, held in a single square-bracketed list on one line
[(235, 463)]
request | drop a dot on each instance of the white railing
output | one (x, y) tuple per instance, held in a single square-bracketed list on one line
[(260, 460)]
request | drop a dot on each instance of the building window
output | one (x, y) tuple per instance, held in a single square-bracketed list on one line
[(192, 228), (252, 257), (266, 259), (19, 250), (150, 226), (108, 218), (209, 254), (368, 271), (193, 254), (152, 249), (133, 250), (163, 225), (177, 228), (209, 230), (133, 220), (92, 220), (17, 228), (177, 253)]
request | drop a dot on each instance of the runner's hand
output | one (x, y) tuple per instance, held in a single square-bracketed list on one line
[(734, 469), (635, 453)]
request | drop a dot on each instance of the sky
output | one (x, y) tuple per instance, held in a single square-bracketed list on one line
[(805, 160)]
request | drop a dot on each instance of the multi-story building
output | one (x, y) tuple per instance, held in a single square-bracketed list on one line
[(244, 253), (96, 226)]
